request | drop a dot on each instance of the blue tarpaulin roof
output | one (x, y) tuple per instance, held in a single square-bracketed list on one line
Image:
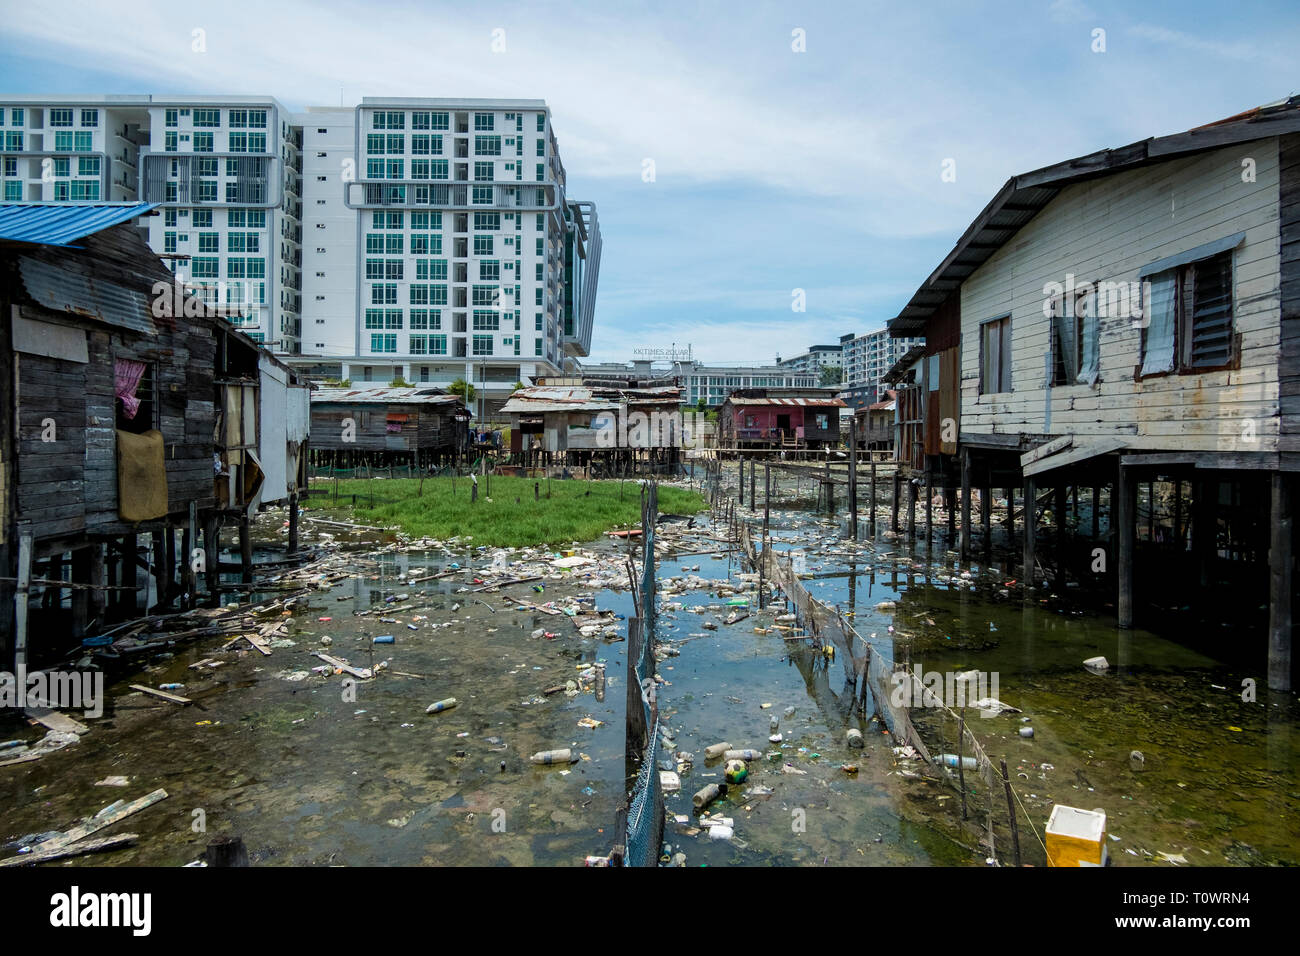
[(57, 224)]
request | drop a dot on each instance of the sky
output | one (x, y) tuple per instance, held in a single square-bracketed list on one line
[(743, 157)]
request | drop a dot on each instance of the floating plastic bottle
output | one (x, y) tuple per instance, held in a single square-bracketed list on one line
[(440, 706), (548, 757)]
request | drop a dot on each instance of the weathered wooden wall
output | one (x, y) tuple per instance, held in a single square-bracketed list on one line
[(1289, 285), (1107, 230)]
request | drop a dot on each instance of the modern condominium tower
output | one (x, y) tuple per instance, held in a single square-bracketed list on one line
[(412, 238), (440, 244)]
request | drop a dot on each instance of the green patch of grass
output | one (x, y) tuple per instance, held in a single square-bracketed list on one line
[(575, 510)]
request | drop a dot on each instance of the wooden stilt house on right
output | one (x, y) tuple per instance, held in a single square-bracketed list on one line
[(1127, 324)]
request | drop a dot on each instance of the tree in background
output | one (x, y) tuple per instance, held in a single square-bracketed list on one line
[(462, 388), (831, 375)]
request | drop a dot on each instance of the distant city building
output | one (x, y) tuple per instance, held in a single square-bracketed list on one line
[(813, 361), (701, 382), (866, 359)]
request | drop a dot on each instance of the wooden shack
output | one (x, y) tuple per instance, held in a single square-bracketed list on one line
[(107, 420), (613, 427), (1127, 323), (779, 419), (415, 427), (875, 423)]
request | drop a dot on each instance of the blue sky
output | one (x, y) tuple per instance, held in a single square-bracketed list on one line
[(774, 170)]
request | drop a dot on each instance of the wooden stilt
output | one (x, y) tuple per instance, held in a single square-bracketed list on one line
[(965, 506), (911, 508), (293, 519), (245, 549), (159, 567), (211, 555), (929, 502), (1030, 531), (1096, 512), (1124, 509), (81, 596), (189, 576), (853, 477), (871, 522), (130, 553), (1058, 520), (1281, 566), (893, 521), (1011, 809), (1011, 517), (986, 516)]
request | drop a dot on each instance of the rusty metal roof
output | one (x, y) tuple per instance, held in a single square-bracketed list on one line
[(383, 395), (60, 289), (537, 399), (799, 402)]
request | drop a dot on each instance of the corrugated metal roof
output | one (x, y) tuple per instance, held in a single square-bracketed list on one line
[(801, 402), (57, 224), (526, 406), (555, 393), (386, 395), (78, 293)]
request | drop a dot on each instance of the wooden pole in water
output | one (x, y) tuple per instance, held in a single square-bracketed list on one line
[(830, 491), (211, 555), (245, 549), (1281, 565), (189, 541), (965, 505), (1058, 520), (1011, 809), (1031, 493), (767, 498), (160, 566), (929, 502), (911, 508), (893, 524), (1125, 514), (871, 523), (961, 769), (853, 477), (1011, 517), (986, 515), (293, 518)]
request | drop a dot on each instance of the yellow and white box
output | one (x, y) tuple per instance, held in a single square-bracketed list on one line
[(1076, 837)]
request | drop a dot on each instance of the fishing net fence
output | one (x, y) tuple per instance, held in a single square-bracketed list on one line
[(921, 722), (645, 807)]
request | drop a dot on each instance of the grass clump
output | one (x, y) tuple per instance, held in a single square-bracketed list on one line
[(574, 511)]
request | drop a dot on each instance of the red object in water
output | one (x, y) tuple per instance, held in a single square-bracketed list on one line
[(324, 620), (478, 580), (1011, 584)]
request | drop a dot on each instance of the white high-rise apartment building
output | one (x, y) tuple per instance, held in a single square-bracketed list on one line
[(226, 172), (423, 239), (441, 244), (813, 361), (868, 357)]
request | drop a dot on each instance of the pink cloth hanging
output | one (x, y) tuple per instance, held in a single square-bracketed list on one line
[(126, 379)]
